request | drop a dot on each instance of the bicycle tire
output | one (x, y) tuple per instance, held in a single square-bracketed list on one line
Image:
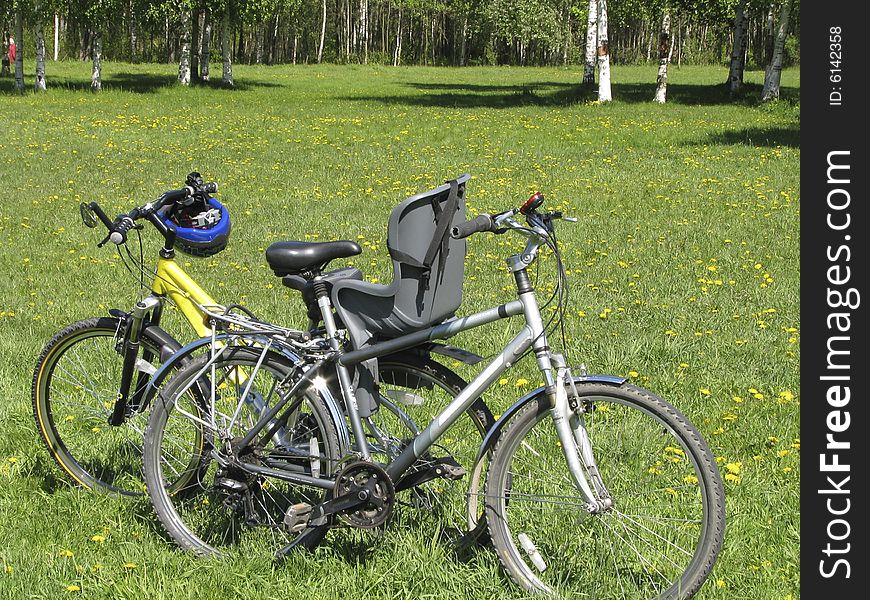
[(75, 383), (667, 493), (434, 386), (204, 508)]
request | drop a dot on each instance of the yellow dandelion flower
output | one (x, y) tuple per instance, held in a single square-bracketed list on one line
[(131, 566), (633, 373), (732, 478), (73, 588), (705, 391), (66, 553), (503, 381), (521, 382), (733, 467), (98, 538), (690, 480)]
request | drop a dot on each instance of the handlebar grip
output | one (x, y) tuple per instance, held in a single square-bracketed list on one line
[(176, 195), (119, 231), (479, 224)]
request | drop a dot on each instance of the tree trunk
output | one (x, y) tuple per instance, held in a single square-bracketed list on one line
[(196, 44), (4, 68), (97, 70), (364, 29), (258, 43), (56, 35), (39, 84), (664, 58), (604, 92), (774, 71), (397, 55), (735, 72), (591, 43), (134, 33), (184, 63), (462, 46), (206, 45), (227, 48), (322, 35), (19, 54)]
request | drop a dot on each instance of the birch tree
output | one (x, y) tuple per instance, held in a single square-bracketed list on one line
[(97, 69), (227, 47), (184, 62), (604, 92), (206, 45), (591, 43), (664, 57), (738, 53), (19, 53), (322, 35), (39, 84), (774, 70)]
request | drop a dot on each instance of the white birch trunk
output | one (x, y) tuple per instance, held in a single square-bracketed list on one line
[(134, 34), (184, 62), (604, 92), (735, 72), (227, 48), (322, 35), (56, 35), (591, 43), (39, 84), (19, 52), (97, 70), (364, 29), (206, 45), (664, 58), (462, 45), (774, 71), (397, 55)]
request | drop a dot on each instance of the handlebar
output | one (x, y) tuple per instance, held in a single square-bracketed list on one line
[(121, 226), (477, 225)]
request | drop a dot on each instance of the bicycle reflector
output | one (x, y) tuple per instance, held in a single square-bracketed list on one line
[(532, 204)]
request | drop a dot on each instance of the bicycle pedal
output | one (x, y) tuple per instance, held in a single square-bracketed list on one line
[(450, 470), (296, 517)]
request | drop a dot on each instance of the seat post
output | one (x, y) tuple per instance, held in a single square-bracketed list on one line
[(321, 292)]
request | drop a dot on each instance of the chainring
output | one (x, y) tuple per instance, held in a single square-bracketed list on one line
[(365, 477)]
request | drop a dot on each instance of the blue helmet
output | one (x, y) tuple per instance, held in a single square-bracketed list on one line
[(202, 228)]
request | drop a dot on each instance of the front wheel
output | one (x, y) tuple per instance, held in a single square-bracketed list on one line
[(665, 528), (75, 385)]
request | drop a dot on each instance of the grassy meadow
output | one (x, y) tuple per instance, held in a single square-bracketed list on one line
[(684, 277)]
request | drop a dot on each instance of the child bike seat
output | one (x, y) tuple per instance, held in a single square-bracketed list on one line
[(428, 270)]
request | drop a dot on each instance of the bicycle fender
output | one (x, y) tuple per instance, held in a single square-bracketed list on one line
[(183, 353), (168, 345), (494, 432)]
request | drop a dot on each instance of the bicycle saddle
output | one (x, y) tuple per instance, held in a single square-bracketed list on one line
[(293, 258)]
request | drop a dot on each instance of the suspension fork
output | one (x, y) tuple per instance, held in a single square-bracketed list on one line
[(574, 439), (130, 353)]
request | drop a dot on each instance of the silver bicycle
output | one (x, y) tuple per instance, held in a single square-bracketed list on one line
[(589, 486)]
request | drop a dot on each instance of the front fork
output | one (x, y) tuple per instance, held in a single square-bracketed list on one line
[(130, 352), (567, 413)]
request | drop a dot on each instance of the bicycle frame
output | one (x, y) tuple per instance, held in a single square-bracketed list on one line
[(557, 378)]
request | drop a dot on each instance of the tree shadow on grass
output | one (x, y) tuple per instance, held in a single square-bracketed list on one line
[(140, 83), (560, 94), (755, 136)]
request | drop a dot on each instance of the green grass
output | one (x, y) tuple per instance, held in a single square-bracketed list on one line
[(684, 277)]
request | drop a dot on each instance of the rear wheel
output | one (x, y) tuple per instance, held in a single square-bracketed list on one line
[(665, 528), (210, 494), (74, 388)]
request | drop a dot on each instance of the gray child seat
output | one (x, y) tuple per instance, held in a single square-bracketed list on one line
[(428, 272)]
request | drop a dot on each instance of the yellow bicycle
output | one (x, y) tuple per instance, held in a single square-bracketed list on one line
[(95, 379)]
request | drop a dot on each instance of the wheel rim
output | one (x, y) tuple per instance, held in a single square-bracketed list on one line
[(643, 546), (77, 391)]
